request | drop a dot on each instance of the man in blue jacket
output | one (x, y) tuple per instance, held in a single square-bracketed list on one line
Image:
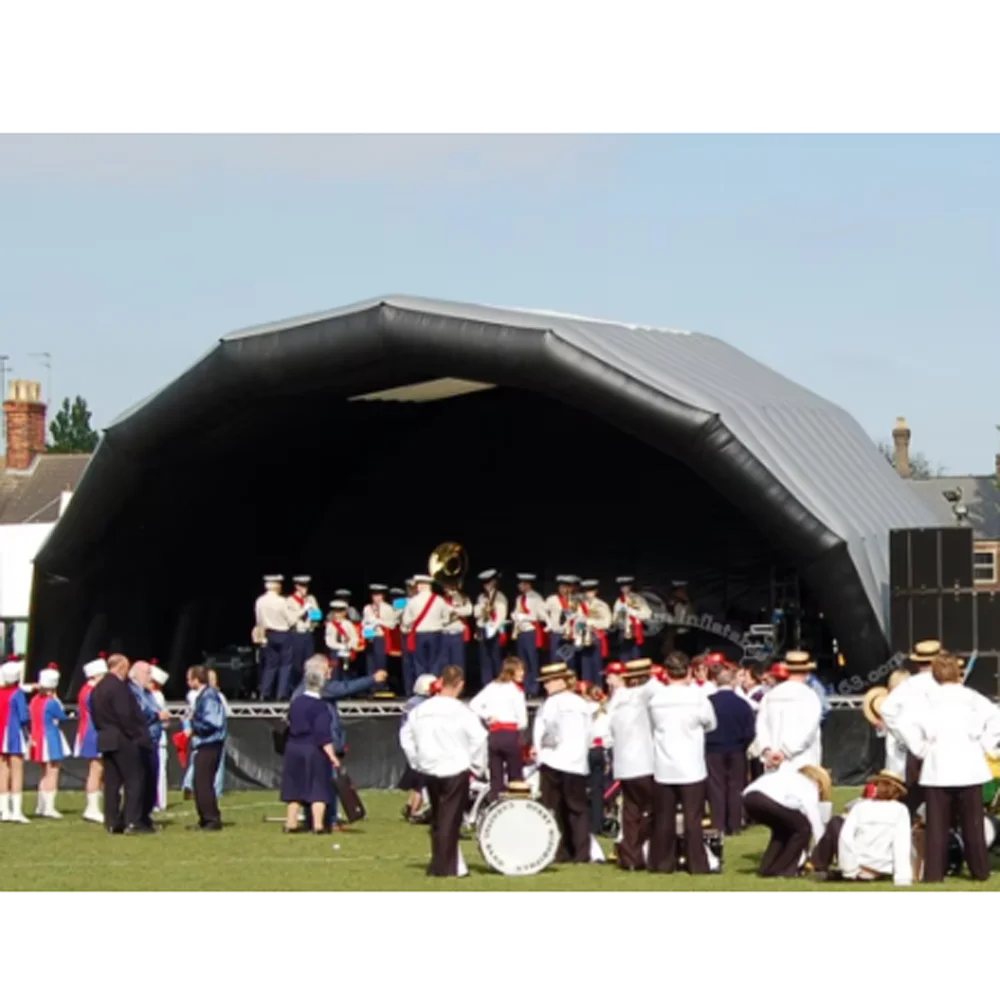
[(208, 741), (333, 691)]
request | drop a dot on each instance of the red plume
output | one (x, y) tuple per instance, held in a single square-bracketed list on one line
[(154, 662)]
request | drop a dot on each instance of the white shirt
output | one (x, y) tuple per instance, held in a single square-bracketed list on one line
[(556, 613), (346, 639), (458, 610), (709, 688), (380, 617), (501, 702), (632, 732), (562, 733), (597, 614), (680, 715), (876, 835), (442, 737), (908, 699), (788, 720), (792, 790), (499, 615), (298, 614), (895, 753), (628, 611), (952, 731), (527, 609), (600, 729), (272, 614), (435, 619)]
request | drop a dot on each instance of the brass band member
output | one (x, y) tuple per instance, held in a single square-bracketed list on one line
[(560, 608), (342, 638), (529, 619), (491, 617), (378, 620), (501, 706), (593, 619), (303, 610), (456, 632), (631, 612)]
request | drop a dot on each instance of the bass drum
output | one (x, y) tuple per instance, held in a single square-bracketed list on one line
[(518, 836)]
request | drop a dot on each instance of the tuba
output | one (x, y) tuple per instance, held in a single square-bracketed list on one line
[(448, 564)]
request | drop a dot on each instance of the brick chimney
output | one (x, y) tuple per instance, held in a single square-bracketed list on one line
[(24, 414), (901, 443)]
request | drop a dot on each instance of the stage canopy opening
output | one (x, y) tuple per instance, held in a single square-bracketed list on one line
[(348, 444)]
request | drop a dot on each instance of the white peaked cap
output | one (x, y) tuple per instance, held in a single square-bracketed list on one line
[(422, 685), (338, 605), (95, 668), (274, 578), (590, 584), (301, 579), (159, 675), (423, 578), (11, 672), (487, 574), (526, 577), (48, 678), (625, 579)]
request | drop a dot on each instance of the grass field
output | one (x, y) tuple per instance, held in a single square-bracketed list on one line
[(381, 853)]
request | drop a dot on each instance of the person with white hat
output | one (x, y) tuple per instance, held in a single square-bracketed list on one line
[(48, 744), (593, 619), (630, 613), (343, 594), (560, 608), (304, 611), (14, 743), (788, 722), (425, 616), (85, 744), (272, 631), (158, 678), (529, 619), (491, 617), (342, 639), (378, 619)]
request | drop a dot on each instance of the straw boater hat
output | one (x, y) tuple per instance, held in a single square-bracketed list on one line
[(799, 662), (556, 672), (925, 651), (872, 704), (518, 790), (893, 779), (822, 778)]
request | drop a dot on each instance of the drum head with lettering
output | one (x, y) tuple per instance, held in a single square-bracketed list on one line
[(518, 837)]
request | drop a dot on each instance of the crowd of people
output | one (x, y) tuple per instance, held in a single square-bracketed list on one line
[(428, 625), (702, 747), (121, 733)]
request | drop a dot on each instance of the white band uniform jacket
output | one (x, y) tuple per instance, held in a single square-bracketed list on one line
[(271, 611), (524, 620), (632, 732), (680, 715), (877, 836), (299, 613), (909, 699), (557, 615), (499, 616), (442, 737), (380, 617), (501, 702), (459, 609), (435, 619), (951, 733), (600, 729), (788, 721), (562, 733), (342, 637), (794, 791)]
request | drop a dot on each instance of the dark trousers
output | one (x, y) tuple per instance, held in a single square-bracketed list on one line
[(566, 795), (915, 795), (825, 852), (452, 652), (490, 658), (148, 760), (426, 658), (727, 777), (375, 655), (303, 646), (637, 821), (504, 748), (123, 773), (596, 786), (277, 666), (527, 650), (942, 804), (206, 763), (562, 650), (663, 843), (790, 833), (629, 650), (591, 663), (409, 673), (448, 797)]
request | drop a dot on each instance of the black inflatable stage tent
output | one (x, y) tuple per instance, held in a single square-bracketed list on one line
[(348, 444)]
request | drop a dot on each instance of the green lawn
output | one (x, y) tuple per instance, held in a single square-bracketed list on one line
[(382, 853)]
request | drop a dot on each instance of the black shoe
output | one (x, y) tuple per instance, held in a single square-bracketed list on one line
[(115, 829), (206, 827), (133, 830)]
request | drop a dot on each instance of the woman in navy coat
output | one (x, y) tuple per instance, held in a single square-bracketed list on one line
[(307, 775)]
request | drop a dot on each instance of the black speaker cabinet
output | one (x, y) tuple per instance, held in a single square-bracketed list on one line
[(930, 558), (988, 620), (985, 675)]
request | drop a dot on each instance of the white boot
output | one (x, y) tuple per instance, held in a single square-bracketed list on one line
[(50, 806), (17, 809), (5, 808), (93, 811), (40, 803)]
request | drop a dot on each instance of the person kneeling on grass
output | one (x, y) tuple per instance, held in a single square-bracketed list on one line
[(208, 740), (787, 801), (873, 840)]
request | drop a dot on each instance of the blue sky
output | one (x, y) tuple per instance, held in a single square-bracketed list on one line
[(865, 267)]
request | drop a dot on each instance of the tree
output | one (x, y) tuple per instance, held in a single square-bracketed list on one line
[(920, 466), (71, 431)]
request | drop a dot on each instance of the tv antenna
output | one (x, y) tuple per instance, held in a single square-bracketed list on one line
[(45, 360)]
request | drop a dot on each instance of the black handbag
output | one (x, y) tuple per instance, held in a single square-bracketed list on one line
[(279, 737)]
